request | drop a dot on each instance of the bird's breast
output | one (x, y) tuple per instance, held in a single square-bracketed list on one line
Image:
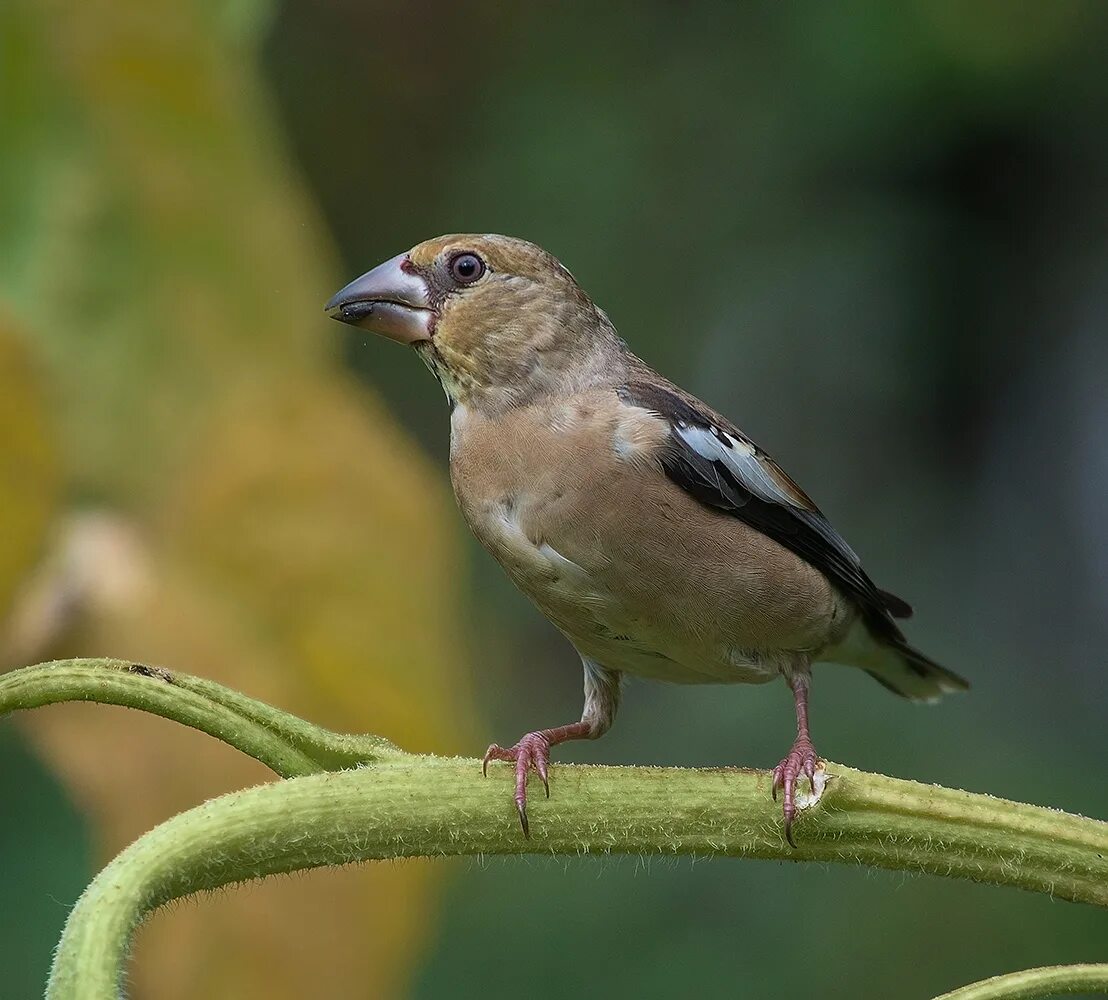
[(571, 501), (528, 482), (505, 492)]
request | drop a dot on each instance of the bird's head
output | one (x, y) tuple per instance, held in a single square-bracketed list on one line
[(499, 320)]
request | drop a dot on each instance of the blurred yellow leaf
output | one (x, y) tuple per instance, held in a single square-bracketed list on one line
[(28, 467), (254, 516)]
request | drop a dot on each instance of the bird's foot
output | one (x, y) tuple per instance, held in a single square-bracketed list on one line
[(801, 760), (531, 753)]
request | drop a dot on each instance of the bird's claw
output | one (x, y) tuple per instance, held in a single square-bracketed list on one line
[(531, 753), (801, 760)]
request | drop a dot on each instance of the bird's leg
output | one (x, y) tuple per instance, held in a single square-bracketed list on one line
[(532, 751), (800, 760)]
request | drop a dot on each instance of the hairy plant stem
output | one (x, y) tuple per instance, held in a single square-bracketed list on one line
[(287, 744), (375, 801), (1054, 980)]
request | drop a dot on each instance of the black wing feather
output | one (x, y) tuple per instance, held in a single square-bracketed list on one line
[(799, 526)]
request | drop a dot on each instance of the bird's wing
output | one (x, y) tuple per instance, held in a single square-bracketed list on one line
[(716, 463)]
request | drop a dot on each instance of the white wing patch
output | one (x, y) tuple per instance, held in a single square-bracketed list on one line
[(737, 456), (741, 460)]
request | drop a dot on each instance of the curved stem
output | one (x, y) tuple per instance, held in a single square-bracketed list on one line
[(384, 803), (286, 743), (413, 806), (1054, 980)]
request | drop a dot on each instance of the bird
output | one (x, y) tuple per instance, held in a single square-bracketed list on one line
[(650, 530)]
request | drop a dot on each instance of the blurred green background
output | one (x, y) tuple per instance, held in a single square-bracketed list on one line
[(875, 235)]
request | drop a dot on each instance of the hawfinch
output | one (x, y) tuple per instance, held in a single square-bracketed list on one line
[(647, 527)]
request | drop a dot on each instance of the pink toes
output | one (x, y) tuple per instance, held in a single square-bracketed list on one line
[(801, 760), (532, 752)]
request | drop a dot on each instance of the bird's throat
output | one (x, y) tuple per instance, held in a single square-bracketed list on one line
[(440, 369)]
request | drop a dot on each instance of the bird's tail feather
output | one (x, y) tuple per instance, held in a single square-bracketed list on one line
[(907, 672), (897, 666)]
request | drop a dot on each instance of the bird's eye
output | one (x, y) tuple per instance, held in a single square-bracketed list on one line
[(466, 268)]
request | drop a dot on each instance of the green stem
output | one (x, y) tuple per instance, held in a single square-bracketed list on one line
[(287, 744), (383, 803), (414, 806), (1054, 980)]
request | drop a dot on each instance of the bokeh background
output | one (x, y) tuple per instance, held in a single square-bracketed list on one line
[(874, 234)]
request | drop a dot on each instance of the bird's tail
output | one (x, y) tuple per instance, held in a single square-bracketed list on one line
[(907, 672), (897, 666)]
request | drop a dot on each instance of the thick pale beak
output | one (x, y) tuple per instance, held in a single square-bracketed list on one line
[(390, 300)]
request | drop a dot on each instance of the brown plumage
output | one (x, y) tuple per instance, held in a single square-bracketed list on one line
[(657, 537)]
